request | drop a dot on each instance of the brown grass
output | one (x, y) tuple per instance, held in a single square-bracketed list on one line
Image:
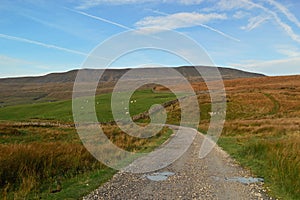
[(24, 167), (35, 156), (261, 128)]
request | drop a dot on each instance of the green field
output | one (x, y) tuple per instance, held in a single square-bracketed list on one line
[(62, 110), (36, 160)]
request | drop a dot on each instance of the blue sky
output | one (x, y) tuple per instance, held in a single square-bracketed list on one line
[(39, 36)]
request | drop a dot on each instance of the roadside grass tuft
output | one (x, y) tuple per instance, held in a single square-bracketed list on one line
[(30, 169)]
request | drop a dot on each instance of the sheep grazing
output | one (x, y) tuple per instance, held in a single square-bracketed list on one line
[(216, 113)]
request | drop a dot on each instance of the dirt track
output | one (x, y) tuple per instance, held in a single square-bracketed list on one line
[(213, 177)]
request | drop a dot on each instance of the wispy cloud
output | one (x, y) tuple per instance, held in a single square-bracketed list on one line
[(240, 14), (85, 4), (272, 67), (285, 11), (7, 61), (227, 5), (19, 39), (288, 29), (220, 32), (179, 20), (250, 5), (255, 22), (100, 19), (183, 20), (288, 50)]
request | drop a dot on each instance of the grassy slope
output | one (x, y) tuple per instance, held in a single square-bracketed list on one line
[(261, 130), (62, 110), (48, 154)]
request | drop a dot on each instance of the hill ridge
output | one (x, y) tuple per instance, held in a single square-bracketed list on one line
[(59, 86), (69, 76)]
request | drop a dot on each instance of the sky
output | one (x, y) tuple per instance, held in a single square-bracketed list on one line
[(39, 36)]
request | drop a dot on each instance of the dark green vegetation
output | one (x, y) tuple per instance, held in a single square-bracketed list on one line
[(42, 156)]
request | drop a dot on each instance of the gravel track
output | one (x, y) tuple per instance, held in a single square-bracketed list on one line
[(193, 178)]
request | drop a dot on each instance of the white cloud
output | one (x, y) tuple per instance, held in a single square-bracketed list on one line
[(285, 27), (202, 25), (229, 5), (240, 14), (85, 4), (232, 5), (255, 22), (271, 67), (285, 11), (179, 20)]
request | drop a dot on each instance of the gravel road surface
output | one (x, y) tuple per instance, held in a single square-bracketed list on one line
[(216, 176)]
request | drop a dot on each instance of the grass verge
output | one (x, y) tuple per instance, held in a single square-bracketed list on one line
[(277, 160), (61, 168)]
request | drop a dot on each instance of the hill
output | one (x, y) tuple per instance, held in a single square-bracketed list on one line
[(59, 86), (261, 132)]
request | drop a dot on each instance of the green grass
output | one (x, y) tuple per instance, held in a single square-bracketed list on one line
[(34, 157), (26, 135), (274, 160), (62, 110), (261, 132), (77, 187)]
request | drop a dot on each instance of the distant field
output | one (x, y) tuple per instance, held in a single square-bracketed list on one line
[(62, 110)]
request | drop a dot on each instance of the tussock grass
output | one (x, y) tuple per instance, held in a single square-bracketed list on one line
[(261, 130), (278, 161), (24, 167), (41, 159)]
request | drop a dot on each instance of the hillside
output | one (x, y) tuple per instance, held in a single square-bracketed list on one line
[(261, 132), (59, 86)]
